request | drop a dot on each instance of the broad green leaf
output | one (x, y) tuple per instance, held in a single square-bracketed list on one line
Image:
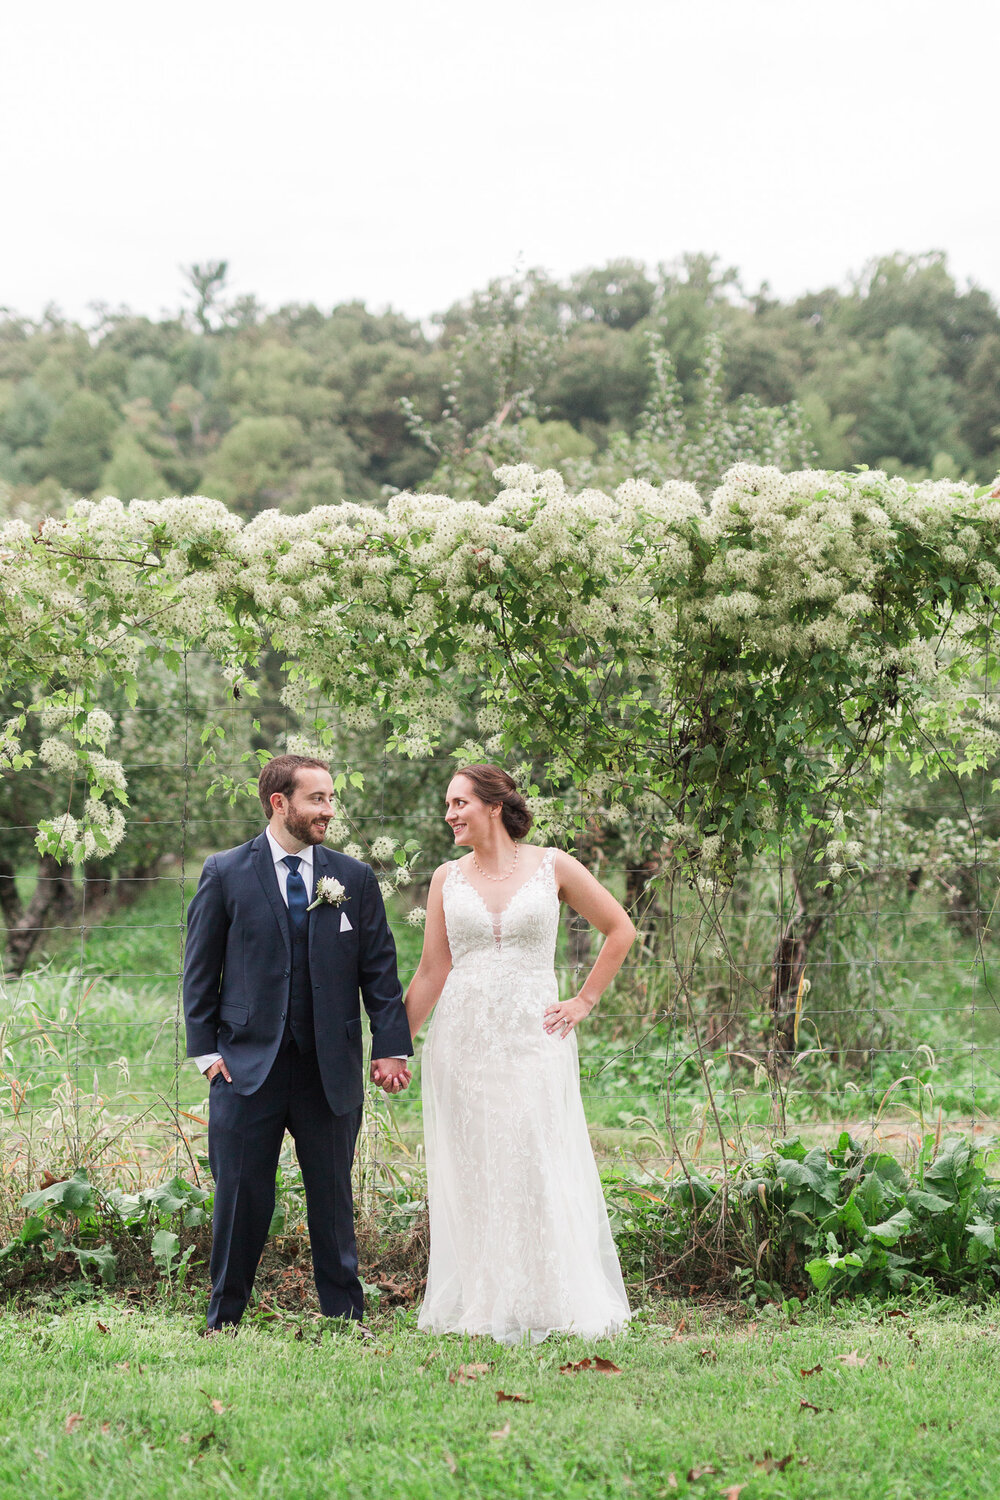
[(891, 1230)]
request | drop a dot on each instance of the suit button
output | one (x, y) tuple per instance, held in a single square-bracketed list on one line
[(285, 973)]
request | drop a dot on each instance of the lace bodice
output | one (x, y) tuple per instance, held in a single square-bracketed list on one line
[(522, 935)]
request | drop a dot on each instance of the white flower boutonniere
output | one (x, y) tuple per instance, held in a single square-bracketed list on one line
[(329, 892)]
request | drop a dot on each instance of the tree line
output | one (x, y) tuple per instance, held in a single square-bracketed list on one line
[(300, 406)]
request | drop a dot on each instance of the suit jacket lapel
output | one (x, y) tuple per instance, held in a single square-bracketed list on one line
[(322, 865), (264, 865)]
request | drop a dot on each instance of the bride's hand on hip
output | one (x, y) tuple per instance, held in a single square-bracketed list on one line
[(560, 1019)]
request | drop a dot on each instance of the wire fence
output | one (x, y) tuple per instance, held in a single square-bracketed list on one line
[(98, 1017), (779, 1005)]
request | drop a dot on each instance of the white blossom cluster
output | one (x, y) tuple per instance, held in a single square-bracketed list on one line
[(433, 606)]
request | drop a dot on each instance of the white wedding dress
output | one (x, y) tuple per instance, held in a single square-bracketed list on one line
[(520, 1244)]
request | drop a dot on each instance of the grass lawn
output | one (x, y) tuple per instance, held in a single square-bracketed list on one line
[(100, 1400)]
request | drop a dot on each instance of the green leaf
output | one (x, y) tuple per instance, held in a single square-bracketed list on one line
[(165, 1249), (74, 1196), (931, 1203), (821, 1271), (983, 1234), (891, 1230), (851, 1217), (102, 1257)]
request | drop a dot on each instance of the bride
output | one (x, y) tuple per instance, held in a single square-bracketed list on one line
[(520, 1244)]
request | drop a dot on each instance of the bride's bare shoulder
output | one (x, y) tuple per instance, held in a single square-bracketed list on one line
[(531, 855)]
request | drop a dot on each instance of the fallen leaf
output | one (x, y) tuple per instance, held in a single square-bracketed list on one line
[(853, 1360), (733, 1492), (217, 1406), (73, 1420), (816, 1370), (771, 1465), (122, 1365), (102, 1328), (672, 1481), (503, 1433), (807, 1406), (503, 1396), (105, 1428), (708, 1354), (700, 1473), (428, 1360), (185, 1437), (897, 1312), (452, 1465), (466, 1374), (597, 1364), (883, 1364), (205, 1439)]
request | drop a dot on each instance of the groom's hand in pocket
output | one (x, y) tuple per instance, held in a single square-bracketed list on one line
[(216, 1069)]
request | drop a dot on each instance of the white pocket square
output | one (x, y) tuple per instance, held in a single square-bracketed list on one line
[(345, 925)]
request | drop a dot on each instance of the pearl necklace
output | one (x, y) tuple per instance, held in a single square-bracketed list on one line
[(506, 874)]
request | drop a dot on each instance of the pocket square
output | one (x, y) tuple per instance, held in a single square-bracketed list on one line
[(345, 925)]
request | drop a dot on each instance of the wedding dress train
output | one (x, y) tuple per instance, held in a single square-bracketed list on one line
[(520, 1244)]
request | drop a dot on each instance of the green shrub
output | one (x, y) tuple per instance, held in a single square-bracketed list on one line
[(841, 1221), (108, 1232)]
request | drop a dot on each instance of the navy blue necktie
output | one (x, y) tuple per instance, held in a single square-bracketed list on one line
[(295, 890)]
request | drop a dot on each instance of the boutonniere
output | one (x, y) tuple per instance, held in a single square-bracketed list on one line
[(329, 892)]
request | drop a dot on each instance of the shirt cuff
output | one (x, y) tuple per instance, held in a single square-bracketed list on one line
[(206, 1060)]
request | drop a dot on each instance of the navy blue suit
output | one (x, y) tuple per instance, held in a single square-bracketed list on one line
[(238, 972)]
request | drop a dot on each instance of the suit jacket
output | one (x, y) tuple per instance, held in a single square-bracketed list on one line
[(237, 971)]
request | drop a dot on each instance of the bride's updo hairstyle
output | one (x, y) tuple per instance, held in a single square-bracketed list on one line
[(491, 785)]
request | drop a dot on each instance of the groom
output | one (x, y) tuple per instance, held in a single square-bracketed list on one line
[(273, 1019)]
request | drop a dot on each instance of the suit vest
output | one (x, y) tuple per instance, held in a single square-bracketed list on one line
[(299, 1016)]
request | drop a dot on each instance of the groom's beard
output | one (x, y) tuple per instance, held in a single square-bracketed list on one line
[(305, 827)]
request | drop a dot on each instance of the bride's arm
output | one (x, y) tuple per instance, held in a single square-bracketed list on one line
[(579, 889), (435, 958)]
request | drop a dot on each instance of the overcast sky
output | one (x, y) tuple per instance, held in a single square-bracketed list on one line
[(407, 151)]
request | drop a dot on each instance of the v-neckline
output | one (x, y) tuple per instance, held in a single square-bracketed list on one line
[(497, 916)]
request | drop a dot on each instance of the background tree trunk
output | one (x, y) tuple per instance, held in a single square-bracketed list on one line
[(53, 898)]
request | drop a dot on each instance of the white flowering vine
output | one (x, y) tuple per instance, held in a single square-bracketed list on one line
[(721, 665)]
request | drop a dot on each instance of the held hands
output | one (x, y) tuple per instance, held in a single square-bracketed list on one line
[(560, 1019), (390, 1073)]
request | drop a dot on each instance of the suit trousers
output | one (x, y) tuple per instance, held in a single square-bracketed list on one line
[(245, 1132)]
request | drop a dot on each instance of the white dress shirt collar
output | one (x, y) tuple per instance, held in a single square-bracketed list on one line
[(305, 855)]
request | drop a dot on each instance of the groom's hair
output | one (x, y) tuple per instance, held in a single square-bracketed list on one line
[(279, 776)]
